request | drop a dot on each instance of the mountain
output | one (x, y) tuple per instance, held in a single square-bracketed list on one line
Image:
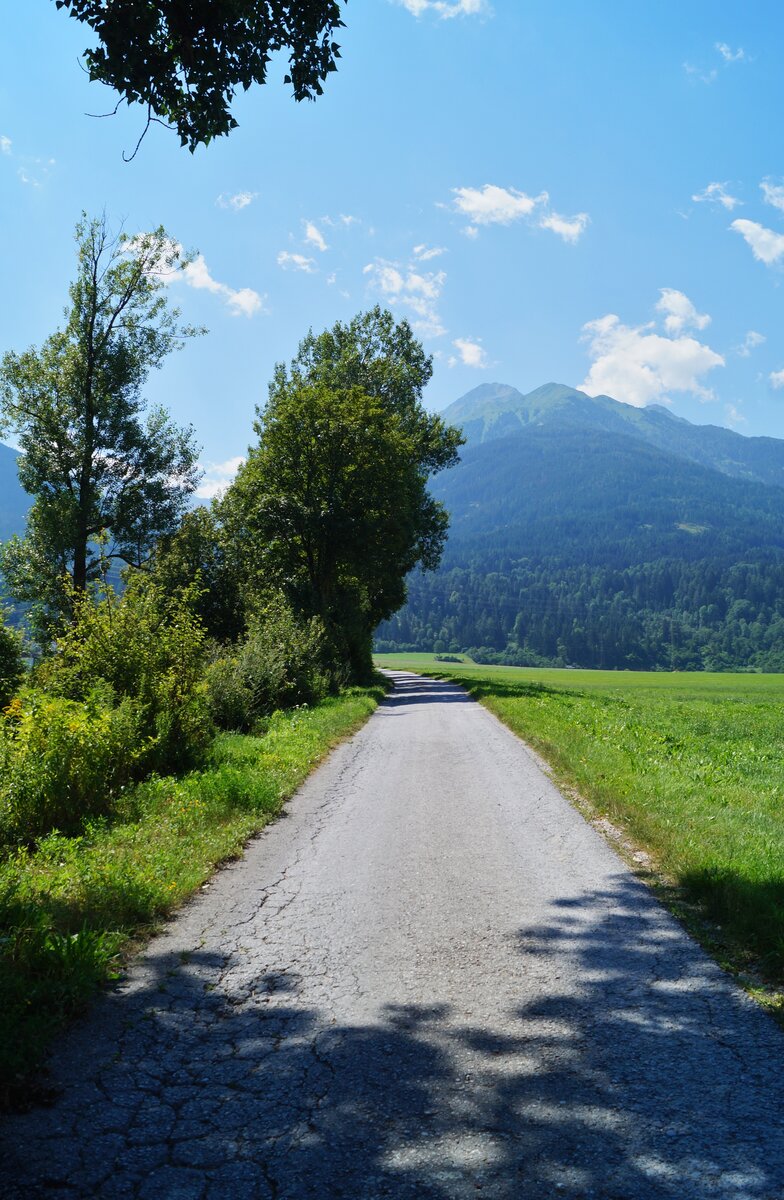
[(14, 501), (496, 410), (589, 532)]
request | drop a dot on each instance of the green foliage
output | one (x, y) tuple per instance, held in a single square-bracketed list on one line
[(148, 647), (62, 762), (200, 553), (332, 503), (11, 661), (185, 62), (70, 904), (90, 458), (280, 663)]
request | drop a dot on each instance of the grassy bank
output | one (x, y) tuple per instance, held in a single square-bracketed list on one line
[(70, 906), (689, 766)]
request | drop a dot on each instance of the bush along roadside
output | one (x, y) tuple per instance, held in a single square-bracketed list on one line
[(71, 904)]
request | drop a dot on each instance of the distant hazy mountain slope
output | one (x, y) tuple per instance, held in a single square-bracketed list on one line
[(493, 411), (14, 501)]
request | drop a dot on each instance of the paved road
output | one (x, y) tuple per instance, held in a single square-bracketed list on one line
[(430, 979)]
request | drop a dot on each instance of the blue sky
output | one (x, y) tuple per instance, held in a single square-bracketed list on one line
[(590, 193)]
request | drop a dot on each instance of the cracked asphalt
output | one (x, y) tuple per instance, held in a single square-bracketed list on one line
[(430, 978)]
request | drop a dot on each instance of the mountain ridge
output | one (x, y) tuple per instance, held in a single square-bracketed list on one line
[(491, 411)]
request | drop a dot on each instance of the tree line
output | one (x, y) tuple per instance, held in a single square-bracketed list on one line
[(267, 597), (667, 614)]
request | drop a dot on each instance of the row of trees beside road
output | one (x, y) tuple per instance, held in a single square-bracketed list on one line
[(269, 597)]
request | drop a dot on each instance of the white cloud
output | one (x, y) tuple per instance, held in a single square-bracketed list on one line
[(445, 9), (423, 253), (750, 342), (217, 476), (314, 236), (728, 54), (773, 193), (5, 144), (766, 245), (238, 201), (637, 365), (569, 228), (407, 287), (242, 302), (469, 354), (296, 262), (493, 205), (716, 193), (777, 379), (26, 178), (680, 312)]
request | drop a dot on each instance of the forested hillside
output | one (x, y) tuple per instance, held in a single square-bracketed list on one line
[(591, 533)]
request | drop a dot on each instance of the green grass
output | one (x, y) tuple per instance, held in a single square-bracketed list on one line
[(689, 766), (71, 907)]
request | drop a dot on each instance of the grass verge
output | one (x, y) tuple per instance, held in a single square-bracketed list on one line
[(72, 906), (688, 766)]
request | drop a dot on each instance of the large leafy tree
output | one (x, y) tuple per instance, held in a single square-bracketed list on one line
[(184, 60), (101, 469), (332, 504)]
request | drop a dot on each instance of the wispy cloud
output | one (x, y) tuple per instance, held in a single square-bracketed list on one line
[(716, 193), (773, 194), (767, 246), (236, 202), (217, 476), (729, 55), (570, 229), (494, 205), (289, 261), (314, 236), (446, 9), (638, 365), (423, 253), (776, 379), (750, 342), (407, 287), (5, 144), (241, 302), (469, 354), (734, 415), (700, 73)]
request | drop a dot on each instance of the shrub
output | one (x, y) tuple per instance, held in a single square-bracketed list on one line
[(279, 664), (148, 647), (11, 662), (62, 761)]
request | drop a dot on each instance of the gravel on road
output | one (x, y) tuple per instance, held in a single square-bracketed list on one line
[(431, 978)]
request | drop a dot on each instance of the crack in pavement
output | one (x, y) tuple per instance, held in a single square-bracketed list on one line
[(431, 979)]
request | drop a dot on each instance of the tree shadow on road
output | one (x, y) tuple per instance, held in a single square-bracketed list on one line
[(646, 1080)]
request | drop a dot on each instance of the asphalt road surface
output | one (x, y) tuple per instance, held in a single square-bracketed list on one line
[(430, 979)]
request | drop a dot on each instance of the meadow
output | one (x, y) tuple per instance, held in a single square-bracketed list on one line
[(688, 766)]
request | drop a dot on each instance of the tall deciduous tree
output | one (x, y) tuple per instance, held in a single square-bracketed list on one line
[(333, 502), (184, 61), (91, 457)]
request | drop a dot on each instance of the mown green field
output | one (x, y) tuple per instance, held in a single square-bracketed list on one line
[(71, 906), (690, 766)]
